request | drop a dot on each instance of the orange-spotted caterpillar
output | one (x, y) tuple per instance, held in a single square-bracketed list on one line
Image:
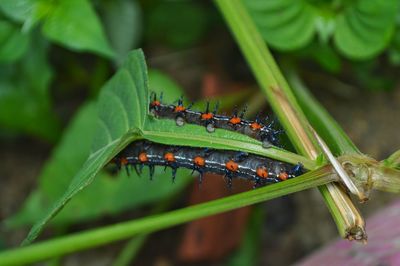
[(231, 164), (266, 133)]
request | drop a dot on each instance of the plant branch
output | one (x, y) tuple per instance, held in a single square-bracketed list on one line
[(102, 236), (287, 109)]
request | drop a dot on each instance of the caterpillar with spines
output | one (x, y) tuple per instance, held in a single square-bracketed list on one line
[(230, 164), (264, 132)]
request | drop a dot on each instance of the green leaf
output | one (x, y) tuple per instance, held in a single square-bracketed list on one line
[(364, 29), (24, 94), (107, 194), (123, 25), (17, 9), (13, 43), (122, 105), (74, 24), (325, 26), (165, 131), (284, 24), (393, 161)]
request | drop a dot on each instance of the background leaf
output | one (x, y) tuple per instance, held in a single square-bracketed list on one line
[(74, 24), (13, 43), (365, 28), (24, 93), (18, 10), (284, 24), (123, 25)]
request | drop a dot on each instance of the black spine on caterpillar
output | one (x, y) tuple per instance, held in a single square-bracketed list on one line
[(231, 164), (266, 133)]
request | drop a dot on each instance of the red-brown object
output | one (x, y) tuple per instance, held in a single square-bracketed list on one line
[(213, 237)]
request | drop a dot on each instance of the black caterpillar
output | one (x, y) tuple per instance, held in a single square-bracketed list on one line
[(231, 164), (255, 129)]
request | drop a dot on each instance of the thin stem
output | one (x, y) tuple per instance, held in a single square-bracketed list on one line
[(130, 250), (102, 236)]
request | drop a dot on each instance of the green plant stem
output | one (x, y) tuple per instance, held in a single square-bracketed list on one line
[(98, 237), (285, 106), (133, 246), (130, 250), (393, 160)]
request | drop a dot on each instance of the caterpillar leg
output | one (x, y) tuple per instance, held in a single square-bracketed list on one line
[(210, 127), (180, 120)]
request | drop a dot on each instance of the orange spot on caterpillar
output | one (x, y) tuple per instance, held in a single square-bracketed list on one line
[(179, 108), (207, 116), (124, 161), (155, 103), (143, 157), (232, 166), (169, 157), (283, 176), (262, 172), (235, 120), (199, 161), (255, 126)]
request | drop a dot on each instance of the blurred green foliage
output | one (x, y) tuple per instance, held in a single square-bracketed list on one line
[(126, 16), (338, 35), (359, 29), (13, 43), (25, 103), (39, 39), (72, 23)]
